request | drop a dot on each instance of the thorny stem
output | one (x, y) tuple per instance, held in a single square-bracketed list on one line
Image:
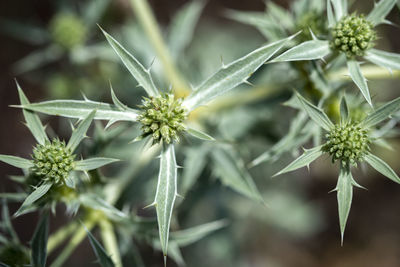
[(110, 241), (369, 71), (148, 22)]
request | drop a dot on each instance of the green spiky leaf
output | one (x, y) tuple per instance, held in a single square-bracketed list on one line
[(93, 163), (101, 255), (39, 242), (380, 11), (382, 167), (39, 192), (309, 50), (80, 132), (382, 113), (384, 59), (359, 79), (16, 161), (344, 190), (199, 134)]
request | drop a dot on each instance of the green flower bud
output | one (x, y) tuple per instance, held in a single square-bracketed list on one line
[(53, 161), (353, 35), (163, 117), (347, 142), (67, 30)]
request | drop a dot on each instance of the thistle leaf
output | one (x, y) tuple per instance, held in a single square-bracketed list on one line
[(101, 255), (137, 70), (382, 167), (309, 50), (331, 18), (81, 109), (39, 242), (166, 193), (340, 7), (305, 159), (35, 195), (230, 76), (80, 132), (344, 190), (230, 169), (116, 101), (93, 163), (380, 11), (384, 59), (16, 161), (315, 113), (358, 78), (32, 120), (199, 134), (381, 113)]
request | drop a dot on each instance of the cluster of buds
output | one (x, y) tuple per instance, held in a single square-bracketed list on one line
[(67, 30), (162, 117), (353, 35), (53, 161), (347, 142)]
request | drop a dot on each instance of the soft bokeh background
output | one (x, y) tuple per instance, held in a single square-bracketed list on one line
[(299, 227)]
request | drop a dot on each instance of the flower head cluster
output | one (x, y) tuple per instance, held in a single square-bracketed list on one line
[(353, 35), (53, 161), (68, 30), (347, 142), (162, 117)]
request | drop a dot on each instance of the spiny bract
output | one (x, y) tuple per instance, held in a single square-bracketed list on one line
[(347, 142), (53, 161), (353, 35), (162, 117), (67, 30)]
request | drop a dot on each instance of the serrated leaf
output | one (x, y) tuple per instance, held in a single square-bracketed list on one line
[(344, 190), (230, 76), (182, 27), (32, 120), (359, 79), (305, 159), (380, 11), (230, 169), (80, 109), (93, 163), (382, 167), (137, 70), (39, 242), (315, 113), (80, 132), (166, 193), (97, 203), (199, 134), (381, 113), (384, 59), (340, 8), (35, 195), (101, 255), (16, 161), (309, 50), (191, 235)]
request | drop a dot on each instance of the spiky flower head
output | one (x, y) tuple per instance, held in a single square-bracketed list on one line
[(353, 35), (311, 21), (68, 30), (53, 161), (162, 117), (347, 142)]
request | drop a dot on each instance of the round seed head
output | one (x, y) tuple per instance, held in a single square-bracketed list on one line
[(53, 161), (347, 142), (162, 117), (67, 30), (353, 35)]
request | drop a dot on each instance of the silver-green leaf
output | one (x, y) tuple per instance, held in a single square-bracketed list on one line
[(199, 134), (315, 113), (305, 159), (35, 195), (380, 11), (384, 59), (381, 113), (137, 70), (93, 163), (39, 242), (166, 193), (309, 50), (16, 161), (80, 132), (344, 190), (382, 167), (340, 7), (359, 79), (230, 76)]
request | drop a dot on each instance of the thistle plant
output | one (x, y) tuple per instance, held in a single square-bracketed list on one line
[(53, 162), (352, 36), (348, 143)]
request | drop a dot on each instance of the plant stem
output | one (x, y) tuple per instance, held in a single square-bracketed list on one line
[(79, 235), (369, 71), (58, 237), (148, 22), (110, 241)]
